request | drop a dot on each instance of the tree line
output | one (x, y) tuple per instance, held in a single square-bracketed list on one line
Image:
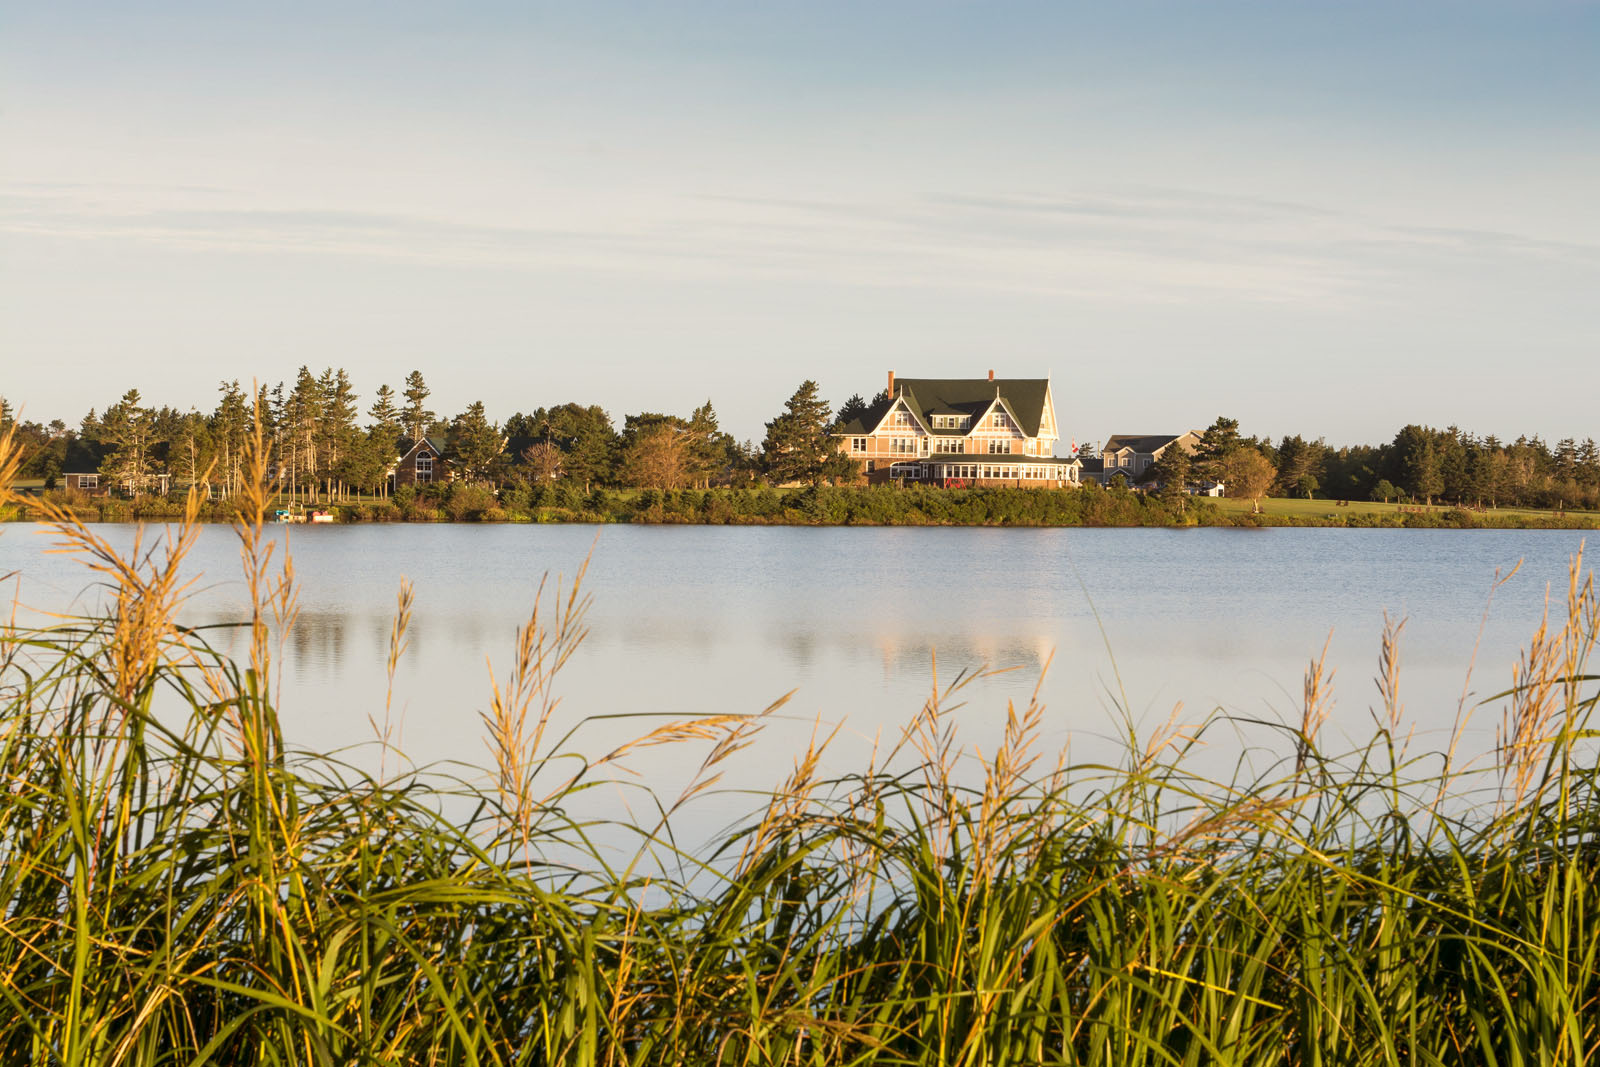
[(321, 448), (1421, 465)]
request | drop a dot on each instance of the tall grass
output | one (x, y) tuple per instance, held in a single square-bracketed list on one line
[(178, 886)]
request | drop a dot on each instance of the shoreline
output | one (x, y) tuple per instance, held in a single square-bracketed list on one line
[(854, 506)]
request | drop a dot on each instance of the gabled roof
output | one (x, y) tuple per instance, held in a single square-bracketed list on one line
[(1023, 399), (433, 441), (1139, 442)]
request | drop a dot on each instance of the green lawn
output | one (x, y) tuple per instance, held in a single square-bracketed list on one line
[(1298, 508)]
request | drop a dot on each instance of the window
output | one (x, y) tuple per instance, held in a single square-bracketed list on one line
[(902, 417), (1000, 445), (88, 481), (903, 446), (858, 444), (424, 469)]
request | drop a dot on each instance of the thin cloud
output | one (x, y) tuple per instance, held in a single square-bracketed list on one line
[(1144, 246)]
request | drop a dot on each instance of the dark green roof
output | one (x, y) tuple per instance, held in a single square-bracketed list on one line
[(1024, 398), (435, 441)]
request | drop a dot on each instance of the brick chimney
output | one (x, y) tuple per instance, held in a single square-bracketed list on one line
[(891, 385), (991, 376)]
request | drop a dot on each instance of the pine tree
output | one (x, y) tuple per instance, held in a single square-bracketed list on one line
[(474, 443), (1172, 469), (707, 446), (127, 427), (302, 412), (385, 414), (230, 430), (1219, 441), (587, 441), (797, 445), (336, 429), (192, 451), (415, 416)]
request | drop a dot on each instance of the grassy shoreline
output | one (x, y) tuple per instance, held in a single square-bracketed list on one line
[(847, 506)]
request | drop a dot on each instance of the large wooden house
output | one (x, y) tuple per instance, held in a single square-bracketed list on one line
[(961, 432)]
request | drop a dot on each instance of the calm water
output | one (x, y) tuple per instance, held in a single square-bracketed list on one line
[(697, 620)]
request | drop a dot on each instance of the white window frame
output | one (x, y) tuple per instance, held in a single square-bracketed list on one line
[(424, 470)]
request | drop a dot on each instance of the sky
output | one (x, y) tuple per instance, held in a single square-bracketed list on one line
[(1329, 219)]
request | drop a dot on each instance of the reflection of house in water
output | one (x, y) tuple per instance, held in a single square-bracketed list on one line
[(957, 654), (318, 640)]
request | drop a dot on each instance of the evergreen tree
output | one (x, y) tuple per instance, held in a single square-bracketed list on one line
[(336, 429), (587, 441), (1415, 460), (474, 443), (1589, 463), (127, 428), (230, 431), (1298, 461), (1218, 442), (1172, 470), (708, 447), (415, 418), (385, 414), (192, 452), (797, 445), (302, 414)]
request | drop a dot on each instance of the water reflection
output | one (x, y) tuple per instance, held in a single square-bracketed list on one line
[(691, 621)]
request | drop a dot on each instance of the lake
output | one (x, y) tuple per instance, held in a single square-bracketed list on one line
[(695, 620)]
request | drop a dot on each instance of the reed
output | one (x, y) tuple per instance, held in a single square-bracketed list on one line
[(179, 886)]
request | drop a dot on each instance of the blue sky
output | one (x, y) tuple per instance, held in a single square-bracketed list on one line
[(1319, 218)]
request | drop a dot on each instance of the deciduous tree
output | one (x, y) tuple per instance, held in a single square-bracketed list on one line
[(1246, 475)]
